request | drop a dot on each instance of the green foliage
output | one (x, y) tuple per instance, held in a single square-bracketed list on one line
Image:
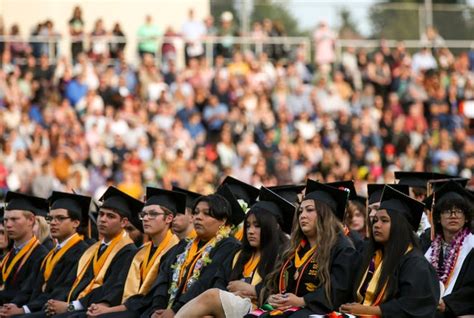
[(348, 28), (392, 23), (273, 10), (276, 11)]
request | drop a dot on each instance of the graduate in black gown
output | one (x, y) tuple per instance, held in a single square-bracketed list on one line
[(239, 288), (100, 276), (19, 266), (395, 280), (452, 250), (157, 215), (53, 280), (192, 266), (315, 274)]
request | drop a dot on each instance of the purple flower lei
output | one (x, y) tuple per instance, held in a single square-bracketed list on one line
[(444, 272)]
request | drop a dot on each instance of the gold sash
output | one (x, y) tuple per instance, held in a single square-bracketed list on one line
[(192, 235), (144, 271), (22, 255), (100, 266), (52, 259), (256, 278), (370, 298)]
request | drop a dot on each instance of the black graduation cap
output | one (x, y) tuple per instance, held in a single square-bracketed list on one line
[(418, 179), (437, 184), (2, 212), (190, 197), (242, 190), (449, 189), (19, 201), (289, 192), (395, 201), (72, 202), (374, 190), (237, 213), (281, 208), (124, 204), (335, 198), (172, 200), (347, 185)]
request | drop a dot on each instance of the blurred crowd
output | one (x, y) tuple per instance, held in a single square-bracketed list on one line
[(271, 118)]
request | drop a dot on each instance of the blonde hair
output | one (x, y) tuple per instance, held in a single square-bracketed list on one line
[(42, 231)]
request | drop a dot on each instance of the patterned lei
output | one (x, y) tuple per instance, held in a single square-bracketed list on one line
[(202, 262), (444, 272)]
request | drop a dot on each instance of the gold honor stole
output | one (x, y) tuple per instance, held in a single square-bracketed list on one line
[(370, 298), (250, 268), (100, 264), (22, 255), (52, 259), (144, 268), (192, 235)]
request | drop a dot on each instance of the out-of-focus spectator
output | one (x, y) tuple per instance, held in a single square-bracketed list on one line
[(76, 31), (193, 31), (148, 35), (324, 41)]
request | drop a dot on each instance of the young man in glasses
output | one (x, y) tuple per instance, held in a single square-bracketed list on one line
[(67, 210), (99, 278), (157, 216), (19, 266)]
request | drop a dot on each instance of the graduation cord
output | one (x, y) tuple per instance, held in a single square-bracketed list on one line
[(284, 273)]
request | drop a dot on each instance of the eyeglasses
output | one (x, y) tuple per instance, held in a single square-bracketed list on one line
[(151, 215), (58, 218), (456, 212)]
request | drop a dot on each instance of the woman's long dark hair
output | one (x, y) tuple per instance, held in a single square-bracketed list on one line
[(272, 242), (401, 237)]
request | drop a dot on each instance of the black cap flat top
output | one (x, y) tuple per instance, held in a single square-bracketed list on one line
[(19, 201)]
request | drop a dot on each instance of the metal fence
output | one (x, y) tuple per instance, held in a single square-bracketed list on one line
[(50, 44)]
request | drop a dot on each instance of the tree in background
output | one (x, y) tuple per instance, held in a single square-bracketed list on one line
[(273, 10), (392, 23), (348, 29)]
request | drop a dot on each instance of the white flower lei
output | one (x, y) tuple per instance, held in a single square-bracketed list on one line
[(202, 262)]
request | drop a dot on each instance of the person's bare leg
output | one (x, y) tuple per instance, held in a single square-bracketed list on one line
[(206, 304)]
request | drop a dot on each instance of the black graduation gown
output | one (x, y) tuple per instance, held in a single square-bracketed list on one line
[(114, 280), (461, 301), (58, 285), (357, 240), (48, 244), (221, 255), (416, 290), (344, 258), (25, 276)]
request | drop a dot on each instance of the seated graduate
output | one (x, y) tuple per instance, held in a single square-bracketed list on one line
[(182, 225), (395, 280), (452, 251), (100, 275), (20, 264), (191, 267), (433, 186), (53, 281), (262, 243), (315, 274), (157, 215)]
